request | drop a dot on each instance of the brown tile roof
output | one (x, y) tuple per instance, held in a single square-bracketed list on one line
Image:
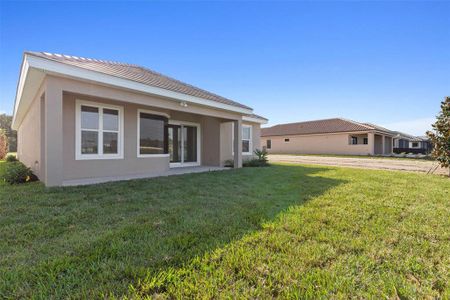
[(315, 127), (136, 73), (257, 117)]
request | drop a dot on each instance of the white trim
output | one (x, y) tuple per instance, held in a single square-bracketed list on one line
[(20, 86), (100, 155), (254, 120), (182, 163), (250, 140), (153, 112), (53, 67), (250, 146), (138, 117)]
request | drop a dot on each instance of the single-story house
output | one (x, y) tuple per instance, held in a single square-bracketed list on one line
[(407, 143), (81, 120), (329, 136)]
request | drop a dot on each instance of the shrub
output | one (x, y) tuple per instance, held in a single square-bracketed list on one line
[(252, 163), (262, 155), (16, 172), (3, 144), (261, 161), (11, 158), (229, 163)]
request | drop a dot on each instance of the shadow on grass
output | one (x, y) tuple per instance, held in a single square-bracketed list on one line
[(85, 241)]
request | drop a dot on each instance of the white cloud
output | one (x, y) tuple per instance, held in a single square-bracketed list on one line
[(414, 127)]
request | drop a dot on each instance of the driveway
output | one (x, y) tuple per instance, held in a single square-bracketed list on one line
[(400, 164)]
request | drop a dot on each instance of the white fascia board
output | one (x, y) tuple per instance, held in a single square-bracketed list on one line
[(254, 120), (73, 71), (19, 91)]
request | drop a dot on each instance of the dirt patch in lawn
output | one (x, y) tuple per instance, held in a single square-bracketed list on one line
[(411, 165)]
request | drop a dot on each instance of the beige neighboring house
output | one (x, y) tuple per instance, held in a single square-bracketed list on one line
[(83, 120), (330, 136)]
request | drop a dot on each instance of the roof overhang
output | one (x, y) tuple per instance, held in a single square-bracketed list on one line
[(254, 120), (34, 69), (331, 133)]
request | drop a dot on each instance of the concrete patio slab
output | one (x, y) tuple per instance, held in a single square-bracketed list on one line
[(170, 172)]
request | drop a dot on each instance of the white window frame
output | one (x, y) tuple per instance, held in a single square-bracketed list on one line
[(99, 155), (199, 149), (138, 117), (250, 146), (351, 140)]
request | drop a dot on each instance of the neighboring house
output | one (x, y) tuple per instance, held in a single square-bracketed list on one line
[(411, 144), (330, 136), (85, 119)]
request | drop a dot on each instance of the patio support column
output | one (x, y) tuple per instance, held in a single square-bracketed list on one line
[(237, 147), (383, 140), (53, 138), (371, 142), (392, 145)]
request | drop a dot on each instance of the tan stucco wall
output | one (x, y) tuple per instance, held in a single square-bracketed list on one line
[(59, 146), (131, 164), (226, 139), (29, 138), (315, 144)]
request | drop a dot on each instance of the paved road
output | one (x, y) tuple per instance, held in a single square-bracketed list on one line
[(411, 165)]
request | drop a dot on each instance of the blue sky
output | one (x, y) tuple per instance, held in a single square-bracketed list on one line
[(382, 62)]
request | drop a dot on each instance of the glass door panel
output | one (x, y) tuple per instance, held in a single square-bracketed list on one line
[(174, 135), (190, 143)]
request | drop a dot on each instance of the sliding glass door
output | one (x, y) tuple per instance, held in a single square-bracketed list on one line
[(183, 145)]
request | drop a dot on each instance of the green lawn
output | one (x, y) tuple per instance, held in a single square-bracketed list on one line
[(282, 231)]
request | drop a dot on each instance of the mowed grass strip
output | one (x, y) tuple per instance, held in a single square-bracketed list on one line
[(282, 231)]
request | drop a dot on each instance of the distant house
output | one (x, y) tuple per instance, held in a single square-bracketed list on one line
[(404, 142), (82, 120), (329, 136)]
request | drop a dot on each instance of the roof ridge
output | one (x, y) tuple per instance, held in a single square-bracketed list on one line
[(327, 119), (291, 123), (81, 58), (359, 123)]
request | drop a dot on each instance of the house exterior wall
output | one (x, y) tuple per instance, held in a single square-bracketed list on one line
[(388, 145), (226, 138), (378, 144), (31, 135), (29, 138), (131, 164), (60, 94), (316, 144)]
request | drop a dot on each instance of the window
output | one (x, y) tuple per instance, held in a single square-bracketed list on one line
[(415, 144), (354, 140), (365, 141), (269, 144), (152, 134), (246, 139), (286, 140), (99, 131)]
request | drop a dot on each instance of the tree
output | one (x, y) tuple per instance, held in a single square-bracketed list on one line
[(5, 124), (3, 144), (440, 135)]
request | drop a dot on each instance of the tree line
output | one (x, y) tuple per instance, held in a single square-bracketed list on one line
[(5, 126)]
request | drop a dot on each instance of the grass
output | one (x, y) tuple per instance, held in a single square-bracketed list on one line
[(284, 231)]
